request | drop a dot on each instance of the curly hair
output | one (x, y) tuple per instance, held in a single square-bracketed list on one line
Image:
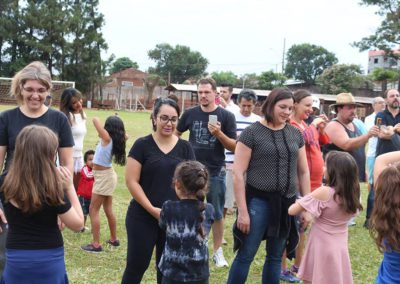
[(385, 218), (116, 129), (342, 175), (193, 176)]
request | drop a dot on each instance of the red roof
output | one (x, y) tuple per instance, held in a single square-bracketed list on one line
[(381, 52)]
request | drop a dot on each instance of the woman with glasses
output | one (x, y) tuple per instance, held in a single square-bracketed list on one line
[(31, 86), (149, 170)]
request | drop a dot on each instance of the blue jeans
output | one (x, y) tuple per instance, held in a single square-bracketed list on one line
[(370, 202), (259, 218), (216, 194)]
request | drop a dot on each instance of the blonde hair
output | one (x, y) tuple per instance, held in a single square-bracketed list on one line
[(33, 71), (33, 178)]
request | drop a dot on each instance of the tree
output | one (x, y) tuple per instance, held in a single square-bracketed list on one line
[(123, 63), (225, 77), (387, 35), (269, 80), (177, 63), (307, 61), (384, 76), (249, 81), (340, 78), (150, 83)]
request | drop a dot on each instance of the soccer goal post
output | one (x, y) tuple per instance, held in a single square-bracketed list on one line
[(56, 91)]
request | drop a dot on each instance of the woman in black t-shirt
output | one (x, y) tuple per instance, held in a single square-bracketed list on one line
[(149, 170)]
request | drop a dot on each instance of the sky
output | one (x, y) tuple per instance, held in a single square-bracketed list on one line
[(242, 36)]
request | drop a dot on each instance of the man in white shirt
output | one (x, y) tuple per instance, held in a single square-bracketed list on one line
[(226, 98), (378, 105), (247, 100)]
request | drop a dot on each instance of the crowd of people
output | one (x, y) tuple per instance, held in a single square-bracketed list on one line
[(292, 175)]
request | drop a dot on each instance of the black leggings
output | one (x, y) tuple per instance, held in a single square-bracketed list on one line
[(143, 234)]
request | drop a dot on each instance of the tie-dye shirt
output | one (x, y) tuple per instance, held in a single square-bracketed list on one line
[(185, 256)]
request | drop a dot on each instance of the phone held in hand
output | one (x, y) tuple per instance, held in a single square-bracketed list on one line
[(379, 122), (213, 119)]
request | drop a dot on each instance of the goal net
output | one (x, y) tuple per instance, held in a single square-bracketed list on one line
[(58, 88)]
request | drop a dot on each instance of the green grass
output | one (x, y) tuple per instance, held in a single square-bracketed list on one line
[(107, 267)]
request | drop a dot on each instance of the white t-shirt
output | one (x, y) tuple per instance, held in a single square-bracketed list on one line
[(78, 132), (241, 123), (232, 107), (373, 141)]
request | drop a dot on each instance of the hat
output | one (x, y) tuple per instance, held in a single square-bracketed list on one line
[(315, 102), (345, 99)]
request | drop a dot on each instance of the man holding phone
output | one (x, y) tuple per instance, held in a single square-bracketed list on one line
[(212, 129)]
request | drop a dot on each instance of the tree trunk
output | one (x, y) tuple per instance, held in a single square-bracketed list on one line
[(150, 84)]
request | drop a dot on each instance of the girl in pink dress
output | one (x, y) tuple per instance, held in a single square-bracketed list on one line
[(326, 258)]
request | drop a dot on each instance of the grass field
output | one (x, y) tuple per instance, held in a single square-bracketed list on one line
[(107, 267)]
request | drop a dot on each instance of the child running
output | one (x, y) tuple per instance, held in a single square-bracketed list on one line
[(187, 223), (34, 194), (112, 144), (85, 186), (327, 256), (385, 227)]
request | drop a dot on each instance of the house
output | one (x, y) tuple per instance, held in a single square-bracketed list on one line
[(379, 59)]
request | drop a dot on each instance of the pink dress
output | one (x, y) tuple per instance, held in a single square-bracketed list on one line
[(326, 257)]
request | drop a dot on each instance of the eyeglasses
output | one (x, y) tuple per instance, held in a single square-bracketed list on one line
[(165, 119), (30, 90)]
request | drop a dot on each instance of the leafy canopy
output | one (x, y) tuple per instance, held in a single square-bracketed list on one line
[(307, 61), (178, 63)]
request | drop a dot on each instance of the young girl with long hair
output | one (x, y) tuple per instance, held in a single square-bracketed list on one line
[(71, 106), (326, 256), (34, 193), (111, 147), (385, 218), (187, 223)]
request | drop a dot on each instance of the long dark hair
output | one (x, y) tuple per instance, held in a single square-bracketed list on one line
[(116, 129), (385, 218), (33, 178), (66, 103), (342, 175), (193, 176)]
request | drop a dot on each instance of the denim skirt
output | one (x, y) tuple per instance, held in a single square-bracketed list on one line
[(45, 266)]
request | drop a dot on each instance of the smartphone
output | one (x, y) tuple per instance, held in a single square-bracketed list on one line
[(213, 119), (379, 121)]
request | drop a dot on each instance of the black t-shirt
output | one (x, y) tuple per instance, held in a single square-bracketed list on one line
[(158, 169), (34, 231), (208, 148), (13, 121), (384, 145)]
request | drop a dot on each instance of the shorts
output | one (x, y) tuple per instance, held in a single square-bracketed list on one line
[(229, 194), (85, 204), (370, 169), (216, 193), (78, 164), (105, 182)]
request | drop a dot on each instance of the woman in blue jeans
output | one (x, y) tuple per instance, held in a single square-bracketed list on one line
[(272, 155)]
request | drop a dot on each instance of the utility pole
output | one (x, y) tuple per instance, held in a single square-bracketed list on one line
[(283, 56)]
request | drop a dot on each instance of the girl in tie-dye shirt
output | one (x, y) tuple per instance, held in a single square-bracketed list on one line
[(187, 223)]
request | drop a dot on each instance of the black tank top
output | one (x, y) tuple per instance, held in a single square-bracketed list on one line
[(358, 154)]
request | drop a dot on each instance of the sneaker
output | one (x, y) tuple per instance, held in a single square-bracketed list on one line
[(366, 224), (287, 276), (114, 243), (219, 258), (92, 248)]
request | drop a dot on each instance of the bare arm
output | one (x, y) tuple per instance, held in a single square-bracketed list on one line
[(132, 177), (228, 143), (338, 136), (103, 134), (242, 159), (3, 151), (73, 218), (384, 160), (303, 173), (65, 155), (321, 193)]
